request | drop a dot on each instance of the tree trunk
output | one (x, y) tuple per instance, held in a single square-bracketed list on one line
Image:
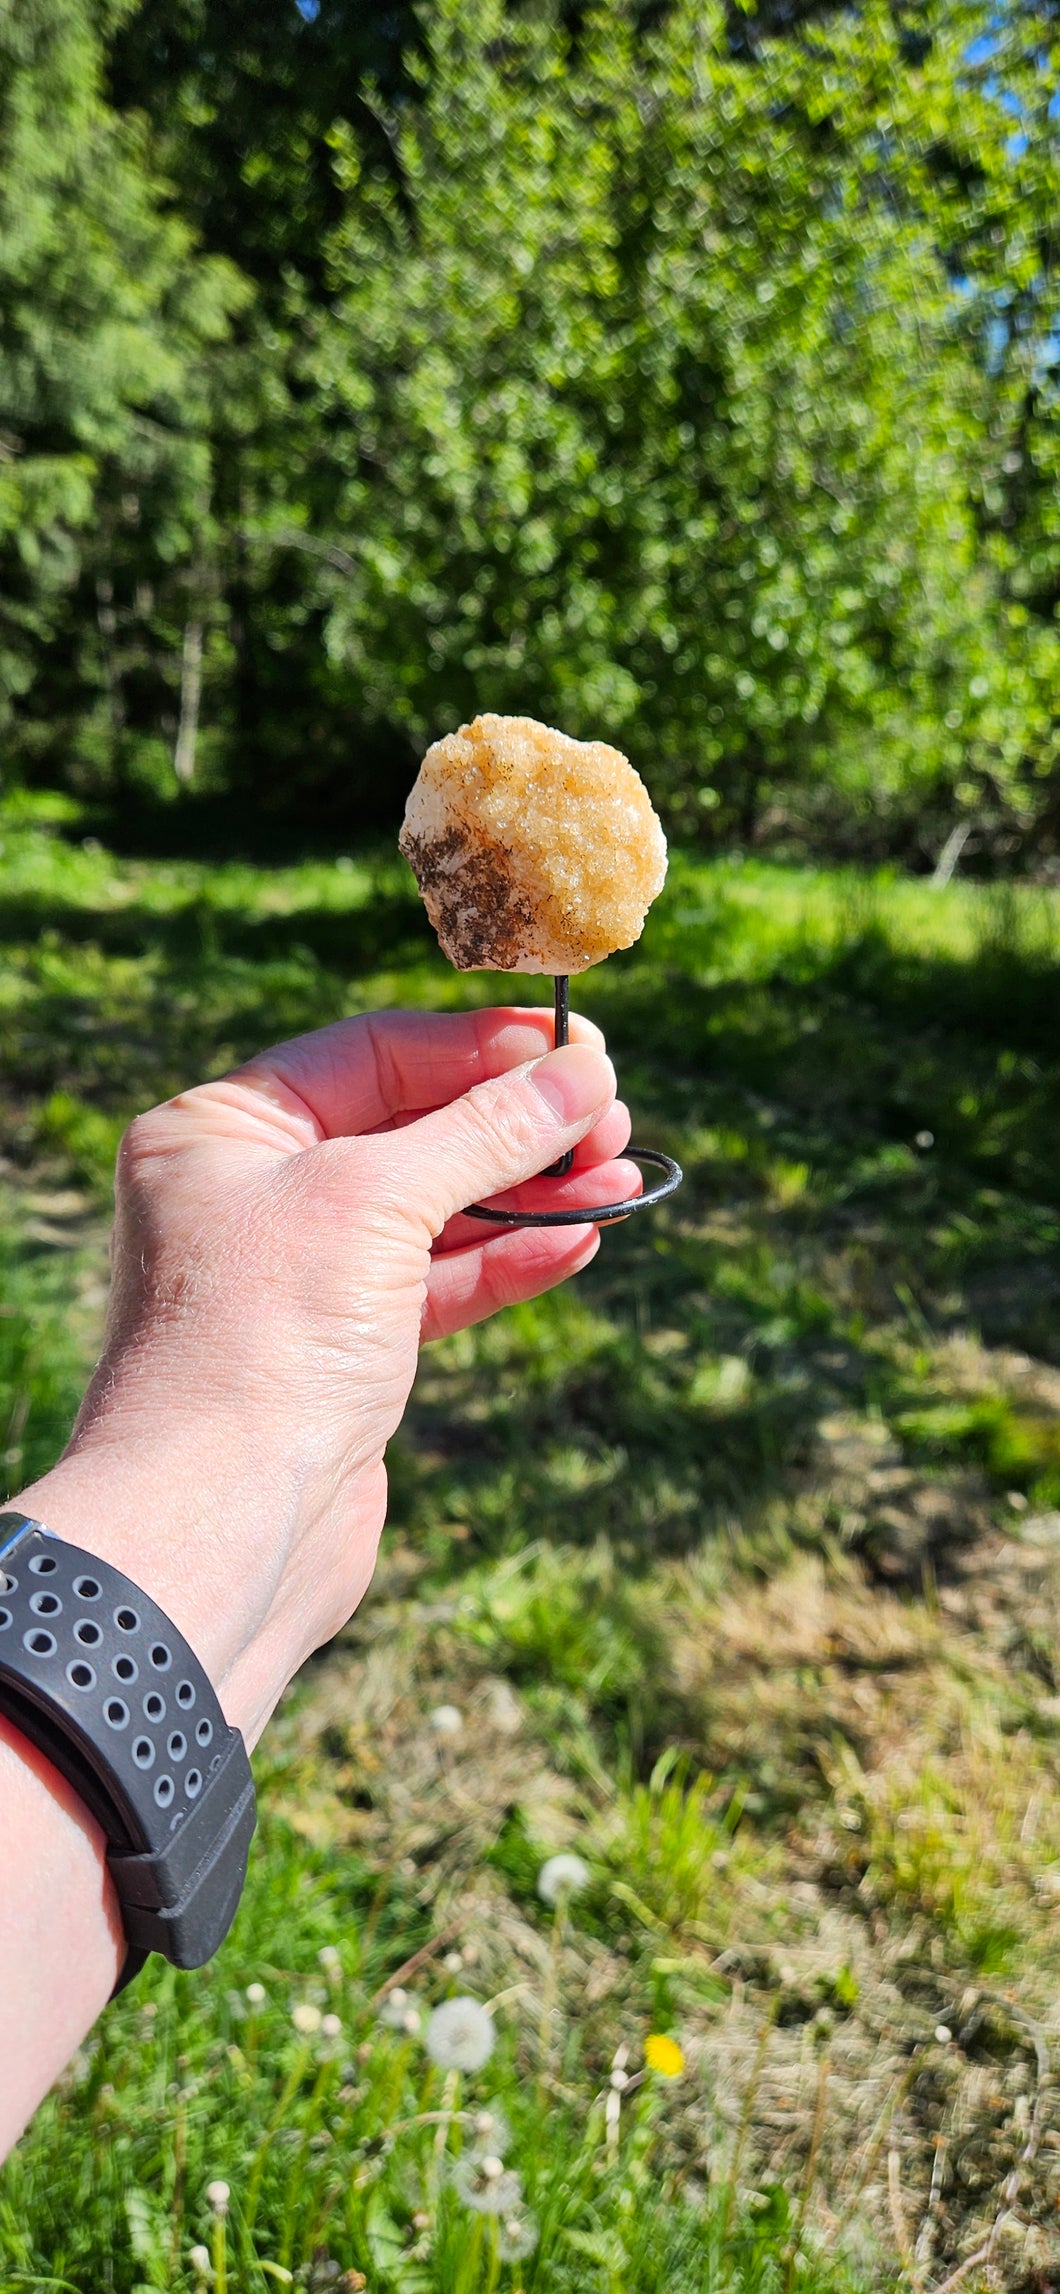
[(950, 854), (190, 696)]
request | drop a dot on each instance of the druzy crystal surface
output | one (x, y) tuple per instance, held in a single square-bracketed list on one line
[(533, 852)]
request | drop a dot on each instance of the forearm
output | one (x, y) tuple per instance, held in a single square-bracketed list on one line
[(61, 1941)]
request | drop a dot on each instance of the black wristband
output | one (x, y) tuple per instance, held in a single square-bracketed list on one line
[(95, 1675)]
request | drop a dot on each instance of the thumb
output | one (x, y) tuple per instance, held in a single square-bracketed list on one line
[(502, 1132)]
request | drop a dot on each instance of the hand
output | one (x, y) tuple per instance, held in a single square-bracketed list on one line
[(284, 1238)]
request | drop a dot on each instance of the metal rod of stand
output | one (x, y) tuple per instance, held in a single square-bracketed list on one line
[(598, 1214), (562, 988)]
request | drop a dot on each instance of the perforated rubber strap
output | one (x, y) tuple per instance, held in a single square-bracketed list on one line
[(95, 1674)]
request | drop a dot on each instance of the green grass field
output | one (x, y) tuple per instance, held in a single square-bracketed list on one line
[(739, 1563)]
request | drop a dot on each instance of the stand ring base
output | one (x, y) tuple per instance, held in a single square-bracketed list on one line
[(599, 1214)]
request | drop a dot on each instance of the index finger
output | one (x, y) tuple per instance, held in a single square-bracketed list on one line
[(351, 1077)]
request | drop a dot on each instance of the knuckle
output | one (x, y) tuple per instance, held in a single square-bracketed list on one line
[(500, 1114), (148, 1144), (140, 1146)]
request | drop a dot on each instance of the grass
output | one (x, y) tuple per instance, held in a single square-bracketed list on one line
[(740, 1562)]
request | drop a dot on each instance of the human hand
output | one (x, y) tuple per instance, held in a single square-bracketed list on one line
[(284, 1237)]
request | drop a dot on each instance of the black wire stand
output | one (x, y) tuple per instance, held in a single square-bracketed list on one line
[(598, 1214)]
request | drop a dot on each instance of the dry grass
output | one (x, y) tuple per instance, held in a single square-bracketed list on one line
[(867, 1998)]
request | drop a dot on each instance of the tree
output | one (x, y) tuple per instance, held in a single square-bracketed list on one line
[(106, 316), (680, 372), (1002, 225), (640, 405)]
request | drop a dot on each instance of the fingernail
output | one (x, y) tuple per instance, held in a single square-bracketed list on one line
[(573, 1082)]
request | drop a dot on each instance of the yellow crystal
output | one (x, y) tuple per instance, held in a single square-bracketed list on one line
[(533, 852)]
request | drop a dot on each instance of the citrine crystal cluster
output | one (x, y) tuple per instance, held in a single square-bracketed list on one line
[(533, 852)]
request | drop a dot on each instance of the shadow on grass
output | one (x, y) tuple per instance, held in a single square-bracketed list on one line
[(870, 1136), (390, 928), (870, 1147)]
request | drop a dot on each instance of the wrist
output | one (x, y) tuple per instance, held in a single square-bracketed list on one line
[(143, 1506), (212, 1533)]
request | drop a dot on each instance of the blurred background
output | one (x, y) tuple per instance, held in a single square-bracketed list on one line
[(687, 376)]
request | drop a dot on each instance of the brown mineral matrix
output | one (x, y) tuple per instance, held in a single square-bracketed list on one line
[(533, 852)]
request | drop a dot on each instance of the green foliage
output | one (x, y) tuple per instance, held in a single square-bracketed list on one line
[(669, 1840), (41, 1364), (639, 384), (684, 375), (107, 314), (537, 1622), (86, 1138), (1020, 1449)]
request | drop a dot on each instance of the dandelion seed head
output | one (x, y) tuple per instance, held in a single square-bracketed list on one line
[(491, 2166), (487, 2194), (331, 2025), (446, 1720), (662, 2054), (564, 1875), (517, 2237), (217, 2196), (492, 2133), (460, 2035), (306, 2018), (199, 2258), (256, 1994), (399, 2010), (329, 1960), (453, 1962)]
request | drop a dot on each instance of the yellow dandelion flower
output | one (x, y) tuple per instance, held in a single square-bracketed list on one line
[(662, 2054)]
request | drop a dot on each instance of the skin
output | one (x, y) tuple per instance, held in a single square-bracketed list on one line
[(284, 1241)]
